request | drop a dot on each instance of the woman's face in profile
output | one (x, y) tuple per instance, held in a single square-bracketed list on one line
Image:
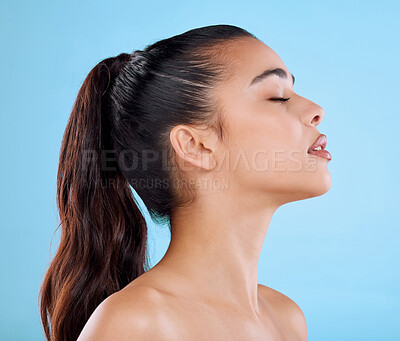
[(269, 139)]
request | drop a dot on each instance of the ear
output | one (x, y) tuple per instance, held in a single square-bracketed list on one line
[(194, 147)]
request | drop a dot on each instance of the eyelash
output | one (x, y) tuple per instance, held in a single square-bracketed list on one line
[(280, 99)]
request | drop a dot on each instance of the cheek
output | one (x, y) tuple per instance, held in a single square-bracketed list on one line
[(278, 136), (261, 137), (265, 148)]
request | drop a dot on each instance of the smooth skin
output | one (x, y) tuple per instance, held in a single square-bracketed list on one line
[(205, 287)]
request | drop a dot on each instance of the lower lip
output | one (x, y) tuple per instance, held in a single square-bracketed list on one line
[(322, 153)]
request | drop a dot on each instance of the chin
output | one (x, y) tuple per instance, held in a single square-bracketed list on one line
[(310, 188), (321, 186), (318, 182)]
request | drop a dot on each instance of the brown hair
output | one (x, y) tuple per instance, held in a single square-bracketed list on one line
[(125, 108)]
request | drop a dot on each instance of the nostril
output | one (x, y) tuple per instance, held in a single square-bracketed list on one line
[(315, 119)]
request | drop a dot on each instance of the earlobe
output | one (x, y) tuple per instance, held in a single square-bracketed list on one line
[(207, 159)]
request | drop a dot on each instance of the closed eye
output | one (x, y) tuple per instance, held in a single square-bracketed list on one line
[(280, 99)]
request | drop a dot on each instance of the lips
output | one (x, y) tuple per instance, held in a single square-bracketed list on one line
[(318, 147)]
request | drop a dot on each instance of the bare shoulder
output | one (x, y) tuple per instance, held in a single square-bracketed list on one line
[(288, 310), (129, 314)]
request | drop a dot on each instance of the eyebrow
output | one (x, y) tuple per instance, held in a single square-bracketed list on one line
[(278, 72)]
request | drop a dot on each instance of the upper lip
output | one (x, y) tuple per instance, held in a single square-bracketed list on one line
[(320, 141)]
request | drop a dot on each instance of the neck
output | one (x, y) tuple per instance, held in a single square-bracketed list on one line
[(217, 243)]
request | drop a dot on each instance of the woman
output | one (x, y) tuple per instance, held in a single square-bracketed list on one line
[(207, 128)]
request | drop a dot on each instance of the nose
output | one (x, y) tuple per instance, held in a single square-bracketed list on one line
[(313, 114)]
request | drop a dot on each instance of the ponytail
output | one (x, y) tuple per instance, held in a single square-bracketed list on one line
[(103, 233), (127, 105)]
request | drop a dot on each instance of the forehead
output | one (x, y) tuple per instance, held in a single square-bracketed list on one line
[(248, 58)]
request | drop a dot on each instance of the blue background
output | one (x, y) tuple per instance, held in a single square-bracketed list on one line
[(337, 255)]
